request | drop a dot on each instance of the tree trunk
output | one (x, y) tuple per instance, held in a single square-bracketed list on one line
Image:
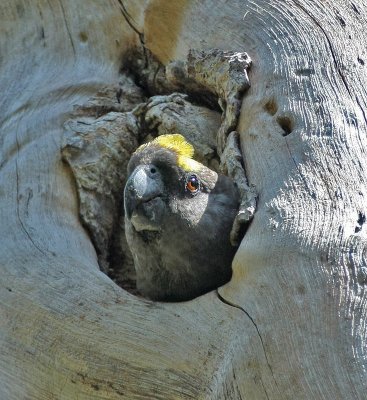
[(291, 324)]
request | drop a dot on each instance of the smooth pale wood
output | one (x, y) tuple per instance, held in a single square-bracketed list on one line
[(296, 328)]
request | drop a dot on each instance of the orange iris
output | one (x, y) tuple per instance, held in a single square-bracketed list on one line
[(192, 184)]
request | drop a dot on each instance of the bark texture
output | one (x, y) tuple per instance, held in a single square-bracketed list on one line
[(291, 324)]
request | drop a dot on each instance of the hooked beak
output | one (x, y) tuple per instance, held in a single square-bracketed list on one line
[(144, 205)]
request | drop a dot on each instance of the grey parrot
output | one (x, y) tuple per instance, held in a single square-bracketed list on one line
[(178, 218)]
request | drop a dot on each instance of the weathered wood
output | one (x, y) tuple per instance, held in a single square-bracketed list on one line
[(291, 323)]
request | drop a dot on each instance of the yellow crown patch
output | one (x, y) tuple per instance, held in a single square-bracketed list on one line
[(177, 143)]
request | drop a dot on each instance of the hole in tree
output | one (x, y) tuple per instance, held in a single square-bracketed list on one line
[(342, 22), (271, 107), (286, 124), (360, 221), (83, 37), (102, 210)]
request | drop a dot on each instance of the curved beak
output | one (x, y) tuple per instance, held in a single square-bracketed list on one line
[(143, 185)]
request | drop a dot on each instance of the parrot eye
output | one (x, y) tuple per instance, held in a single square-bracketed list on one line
[(193, 184)]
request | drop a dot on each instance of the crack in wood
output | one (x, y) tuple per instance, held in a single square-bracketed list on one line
[(263, 386), (229, 303), (18, 212), (128, 19), (67, 27)]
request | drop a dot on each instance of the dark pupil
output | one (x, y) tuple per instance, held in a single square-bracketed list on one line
[(194, 182)]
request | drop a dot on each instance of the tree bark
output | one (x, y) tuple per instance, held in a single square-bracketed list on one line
[(291, 324)]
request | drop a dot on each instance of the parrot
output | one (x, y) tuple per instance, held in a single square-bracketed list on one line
[(178, 218)]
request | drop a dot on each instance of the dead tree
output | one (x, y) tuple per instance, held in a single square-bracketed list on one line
[(291, 324)]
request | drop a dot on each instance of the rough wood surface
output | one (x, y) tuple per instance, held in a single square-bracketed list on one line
[(291, 324)]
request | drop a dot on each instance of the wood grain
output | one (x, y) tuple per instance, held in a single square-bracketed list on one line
[(291, 323)]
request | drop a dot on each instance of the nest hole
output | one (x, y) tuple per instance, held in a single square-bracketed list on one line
[(286, 124), (100, 184)]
